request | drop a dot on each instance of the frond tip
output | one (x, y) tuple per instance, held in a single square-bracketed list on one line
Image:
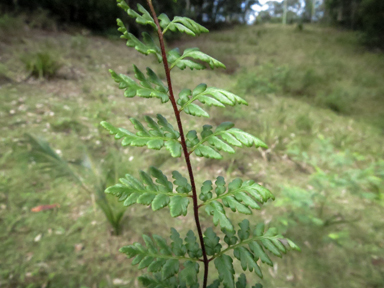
[(146, 47)]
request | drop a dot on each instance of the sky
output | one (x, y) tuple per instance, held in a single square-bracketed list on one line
[(263, 5)]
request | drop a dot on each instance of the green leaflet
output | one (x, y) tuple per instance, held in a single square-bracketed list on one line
[(176, 59), (220, 140), (247, 260), (172, 282), (158, 194), (210, 96), (215, 284), (188, 276), (160, 134), (146, 47), (211, 242), (181, 24), (123, 5), (178, 206), (170, 268), (193, 248), (177, 245), (258, 251), (241, 281), (219, 218), (174, 148), (157, 256), (144, 19), (157, 282), (181, 182), (148, 87), (256, 242), (241, 196), (224, 266)]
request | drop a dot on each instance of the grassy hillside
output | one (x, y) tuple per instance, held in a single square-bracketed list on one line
[(316, 98)]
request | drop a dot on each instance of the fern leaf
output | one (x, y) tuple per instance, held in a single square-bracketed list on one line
[(251, 246), (188, 276), (210, 96), (159, 135), (175, 59), (148, 46), (241, 281), (241, 195), (216, 209), (193, 248), (158, 194), (211, 242), (181, 24), (156, 282), (144, 19), (150, 87), (247, 260), (123, 5), (215, 284), (226, 271), (210, 143), (157, 256)]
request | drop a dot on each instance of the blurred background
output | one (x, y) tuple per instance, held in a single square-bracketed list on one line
[(313, 73)]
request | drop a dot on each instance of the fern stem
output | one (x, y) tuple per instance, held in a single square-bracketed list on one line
[(183, 142)]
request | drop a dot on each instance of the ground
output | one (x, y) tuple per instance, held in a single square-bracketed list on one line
[(315, 97)]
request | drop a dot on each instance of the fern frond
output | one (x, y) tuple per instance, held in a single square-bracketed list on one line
[(158, 195), (144, 19), (157, 256), (210, 96), (248, 247), (213, 144), (181, 24), (175, 59), (160, 134), (240, 196), (148, 87), (148, 46)]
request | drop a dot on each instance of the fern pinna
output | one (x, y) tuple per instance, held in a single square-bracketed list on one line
[(178, 264)]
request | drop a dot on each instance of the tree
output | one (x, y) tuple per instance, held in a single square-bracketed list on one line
[(364, 15)]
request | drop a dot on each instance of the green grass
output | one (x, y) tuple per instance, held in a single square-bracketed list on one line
[(316, 100)]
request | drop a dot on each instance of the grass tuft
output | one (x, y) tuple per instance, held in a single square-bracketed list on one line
[(41, 64)]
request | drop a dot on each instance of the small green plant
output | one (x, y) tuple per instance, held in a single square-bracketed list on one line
[(300, 26), (90, 178), (41, 64), (177, 264), (338, 101)]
